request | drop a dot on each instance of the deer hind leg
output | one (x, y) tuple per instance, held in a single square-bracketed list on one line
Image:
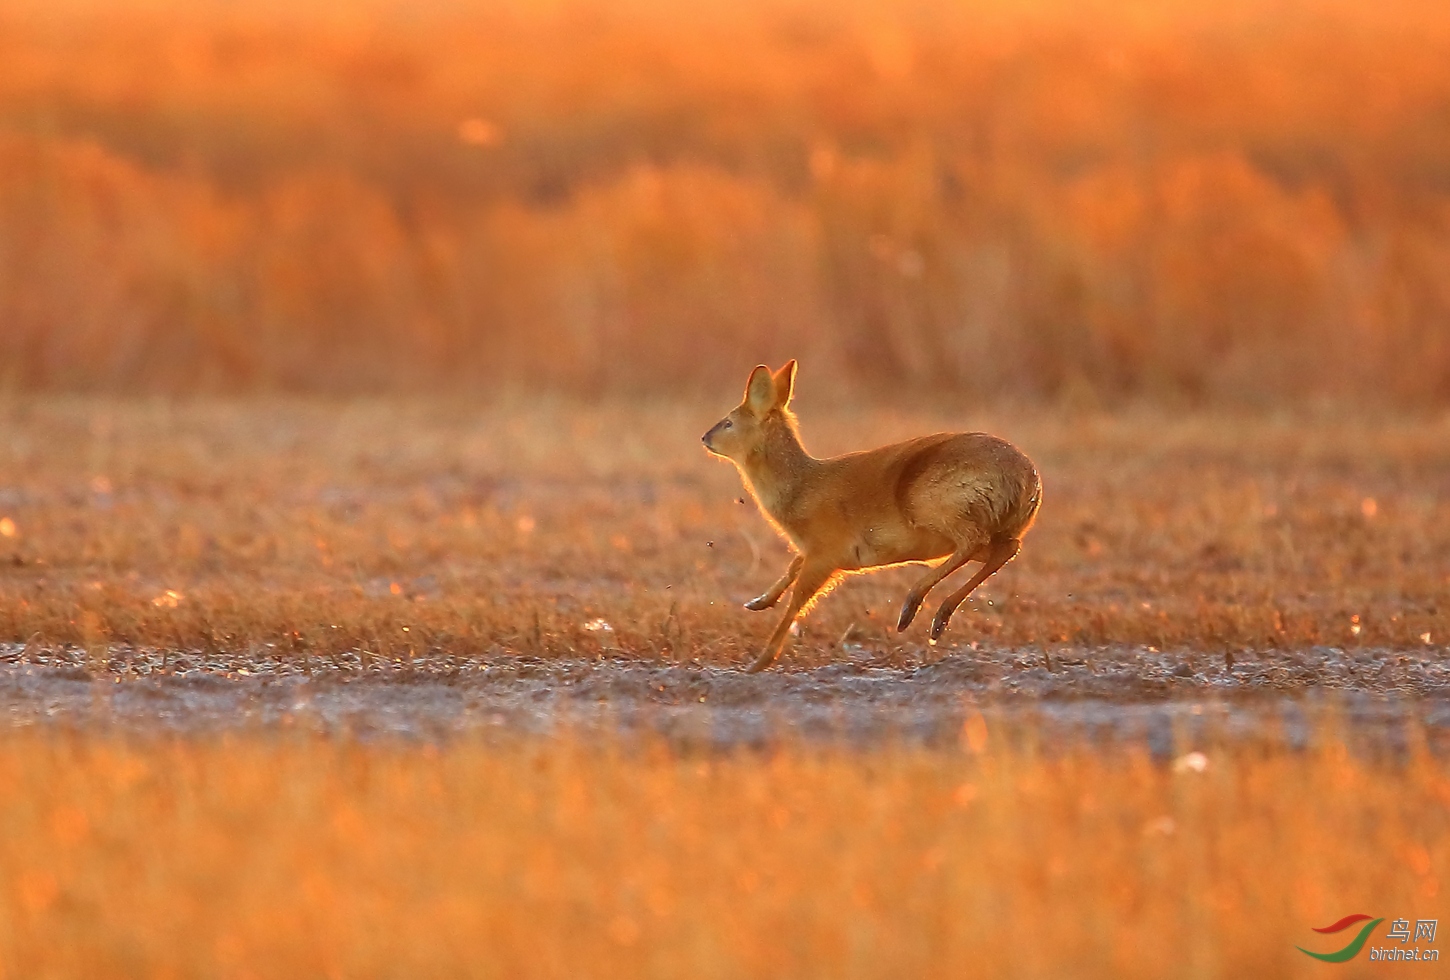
[(810, 580), (999, 553), (773, 594), (930, 580)]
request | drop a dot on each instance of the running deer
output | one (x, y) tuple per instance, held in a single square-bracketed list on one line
[(958, 496)]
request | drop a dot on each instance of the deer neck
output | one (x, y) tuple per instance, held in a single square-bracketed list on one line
[(778, 468)]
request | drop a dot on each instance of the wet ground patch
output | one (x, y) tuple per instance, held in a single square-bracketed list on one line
[(1171, 701)]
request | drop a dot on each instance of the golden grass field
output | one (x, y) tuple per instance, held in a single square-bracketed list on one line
[(354, 358), (288, 530), (302, 856), (295, 528), (1195, 201)]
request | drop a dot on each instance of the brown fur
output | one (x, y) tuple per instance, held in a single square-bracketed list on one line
[(958, 496)]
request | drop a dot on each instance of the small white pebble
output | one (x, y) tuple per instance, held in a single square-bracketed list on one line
[(1192, 762)]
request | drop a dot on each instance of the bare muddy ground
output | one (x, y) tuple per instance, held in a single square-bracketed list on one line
[(1170, 700)]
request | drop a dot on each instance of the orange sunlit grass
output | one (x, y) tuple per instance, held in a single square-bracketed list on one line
[(354, 358), (305, 856), (1184, 201), (392, 529)]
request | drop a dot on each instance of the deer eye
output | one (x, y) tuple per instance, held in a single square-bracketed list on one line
[(729, 424)]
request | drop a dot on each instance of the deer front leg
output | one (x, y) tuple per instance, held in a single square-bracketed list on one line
[(810, 580), (772, 596)]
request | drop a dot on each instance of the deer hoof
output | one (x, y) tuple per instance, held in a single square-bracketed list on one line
[(908, 613), (761, 662)]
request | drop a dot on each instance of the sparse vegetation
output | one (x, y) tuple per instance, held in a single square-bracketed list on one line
[(309, 528)]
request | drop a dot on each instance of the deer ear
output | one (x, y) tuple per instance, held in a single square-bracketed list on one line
[(760, 390), (784, 384)]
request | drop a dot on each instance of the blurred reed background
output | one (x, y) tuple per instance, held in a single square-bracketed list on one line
[(1188, 202)]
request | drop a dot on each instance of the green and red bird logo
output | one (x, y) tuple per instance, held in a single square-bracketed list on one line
[(1355, 945)]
